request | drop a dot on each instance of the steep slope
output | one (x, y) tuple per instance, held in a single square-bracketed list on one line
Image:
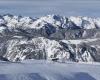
[(51, 36), (54, 20), (37, 48)]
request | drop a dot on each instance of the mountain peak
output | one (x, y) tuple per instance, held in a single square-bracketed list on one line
[(48, 37), (56, 21)]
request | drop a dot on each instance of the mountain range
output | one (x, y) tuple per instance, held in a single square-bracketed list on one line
[(52, 36)]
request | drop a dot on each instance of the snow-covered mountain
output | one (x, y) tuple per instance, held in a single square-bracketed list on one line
[(55, 20), (51, 36)]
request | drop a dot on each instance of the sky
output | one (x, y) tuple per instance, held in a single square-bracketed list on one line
[(37, 8)]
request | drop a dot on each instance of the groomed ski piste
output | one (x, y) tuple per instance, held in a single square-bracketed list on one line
[(49, 70)]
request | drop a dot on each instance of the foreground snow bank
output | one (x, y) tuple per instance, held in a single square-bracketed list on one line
[(45, 70)]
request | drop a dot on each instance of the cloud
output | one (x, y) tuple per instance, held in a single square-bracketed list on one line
[(43, 7)]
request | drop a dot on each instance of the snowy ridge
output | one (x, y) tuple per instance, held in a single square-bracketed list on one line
[(52, 36), (55, 20), (37, 48), (79, 41), (42, 48)]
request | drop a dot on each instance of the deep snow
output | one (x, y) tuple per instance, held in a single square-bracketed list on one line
[(47, 70)]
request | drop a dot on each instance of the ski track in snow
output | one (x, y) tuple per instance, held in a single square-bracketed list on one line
[(47, 70)]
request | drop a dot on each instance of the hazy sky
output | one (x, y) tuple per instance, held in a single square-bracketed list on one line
[(37, 8)]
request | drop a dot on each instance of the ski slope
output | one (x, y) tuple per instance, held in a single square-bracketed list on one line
[(47, 70)]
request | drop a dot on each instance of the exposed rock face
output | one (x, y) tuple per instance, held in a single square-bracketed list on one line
[(37, 48), (52, 36)]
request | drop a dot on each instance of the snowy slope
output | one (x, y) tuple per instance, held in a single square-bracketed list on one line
[(37, 48), (55, 20), (79, 41), (43, 70), (28, 45), (51, 36)]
